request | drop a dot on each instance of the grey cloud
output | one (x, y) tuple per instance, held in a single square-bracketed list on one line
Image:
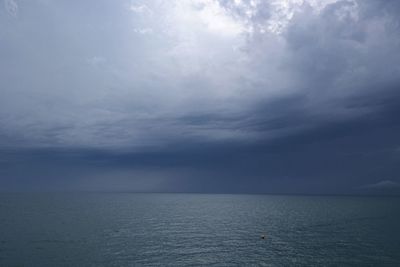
[(382, 187), (11, 7), (71, 86), (384, 184), (213, 79)]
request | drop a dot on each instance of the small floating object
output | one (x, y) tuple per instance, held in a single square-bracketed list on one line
[(263, 236)]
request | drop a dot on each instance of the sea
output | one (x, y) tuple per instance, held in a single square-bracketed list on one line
[(132, 229)]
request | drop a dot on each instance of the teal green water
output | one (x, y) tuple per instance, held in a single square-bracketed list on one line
[(104, 229)]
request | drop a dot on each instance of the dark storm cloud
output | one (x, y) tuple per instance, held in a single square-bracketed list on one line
[(209, 96)]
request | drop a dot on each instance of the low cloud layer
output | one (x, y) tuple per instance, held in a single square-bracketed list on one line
[(381, 187), (385, 184)]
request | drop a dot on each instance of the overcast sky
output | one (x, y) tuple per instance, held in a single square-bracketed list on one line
[(231, 96)]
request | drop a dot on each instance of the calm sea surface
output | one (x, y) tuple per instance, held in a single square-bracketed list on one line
[(104, 229)]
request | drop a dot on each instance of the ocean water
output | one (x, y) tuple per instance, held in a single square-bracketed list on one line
[(123, 229)]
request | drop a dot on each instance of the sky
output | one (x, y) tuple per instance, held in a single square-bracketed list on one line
[(208, 96)]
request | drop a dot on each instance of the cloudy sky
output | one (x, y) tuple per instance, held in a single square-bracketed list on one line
[(230, 96)]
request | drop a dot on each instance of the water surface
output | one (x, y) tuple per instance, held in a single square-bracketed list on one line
[(123, 229)]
